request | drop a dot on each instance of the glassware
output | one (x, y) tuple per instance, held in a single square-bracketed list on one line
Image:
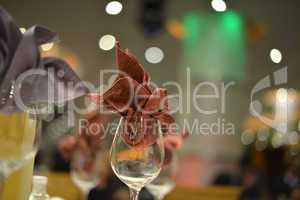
[(137, 165), (19, 136), (85, 170), (165, 182), (39, 188)]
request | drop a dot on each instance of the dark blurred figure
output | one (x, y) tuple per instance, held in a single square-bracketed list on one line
[(264, 175), (111, 188), (229, 179), (115, 190), (152, 16)]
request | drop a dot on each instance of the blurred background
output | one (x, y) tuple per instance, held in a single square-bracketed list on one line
[(230, 44)]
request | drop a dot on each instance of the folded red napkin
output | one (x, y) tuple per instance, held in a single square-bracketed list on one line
[(131, 95)]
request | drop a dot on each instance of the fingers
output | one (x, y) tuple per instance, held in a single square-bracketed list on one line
[(173, 142), (67, 146)]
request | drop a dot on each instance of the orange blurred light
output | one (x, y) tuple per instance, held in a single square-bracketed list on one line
[(175, 28)]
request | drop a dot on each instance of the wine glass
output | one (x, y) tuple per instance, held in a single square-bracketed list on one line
[(85, 170), (165, 182), (19, 139), (137, 165)]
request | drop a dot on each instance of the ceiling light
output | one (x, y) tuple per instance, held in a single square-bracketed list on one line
[(107, 42), (114, 8), (154, 55)]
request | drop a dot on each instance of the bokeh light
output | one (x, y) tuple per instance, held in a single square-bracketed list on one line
[(248, 137), (219, 5), (114, 8), (107, 42), (154, 55), (47, 47), (22, 29), (282, 95), (277, 140), (275, 56)]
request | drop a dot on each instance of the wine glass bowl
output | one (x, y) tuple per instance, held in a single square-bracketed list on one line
[(85, 170), (138, 163), (165, 182), (160, 187)]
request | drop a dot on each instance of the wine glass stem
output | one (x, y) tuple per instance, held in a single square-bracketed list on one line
[(134, 194)]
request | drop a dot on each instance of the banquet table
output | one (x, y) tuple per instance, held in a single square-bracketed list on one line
[(60, 184)]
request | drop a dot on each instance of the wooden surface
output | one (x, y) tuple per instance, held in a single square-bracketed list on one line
[(206, 193), (61, 185)]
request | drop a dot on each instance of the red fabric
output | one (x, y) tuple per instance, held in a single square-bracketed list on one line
[(132, 97)]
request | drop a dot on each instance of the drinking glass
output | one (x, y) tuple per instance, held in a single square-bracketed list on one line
[(85, 170), (19, 138), (137, 165), (165, 182)]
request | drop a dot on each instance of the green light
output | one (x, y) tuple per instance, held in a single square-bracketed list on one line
[(214, 44), (192, 25), (232, 22)]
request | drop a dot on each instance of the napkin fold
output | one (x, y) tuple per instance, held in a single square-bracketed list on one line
[(132, 96), (19, 54)]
